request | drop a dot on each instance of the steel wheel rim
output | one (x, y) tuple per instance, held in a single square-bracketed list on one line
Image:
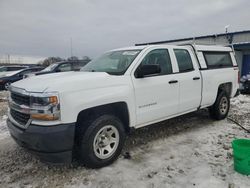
[(7, 85), (106, 142), (223, 105)]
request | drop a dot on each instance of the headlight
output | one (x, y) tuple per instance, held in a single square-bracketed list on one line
[(45, 106), (43, 101)]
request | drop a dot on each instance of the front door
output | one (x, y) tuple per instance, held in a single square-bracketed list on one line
[(156, 95)]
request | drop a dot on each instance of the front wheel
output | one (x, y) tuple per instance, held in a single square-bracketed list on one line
[(7, 85), (220, 108), (102, 142)]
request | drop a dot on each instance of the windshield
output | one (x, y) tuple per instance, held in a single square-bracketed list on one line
[(50, 68), (115, 62)]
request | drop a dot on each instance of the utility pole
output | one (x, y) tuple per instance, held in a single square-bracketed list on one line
[(71, 47), (9, 58), (226, 28), (228, 36)]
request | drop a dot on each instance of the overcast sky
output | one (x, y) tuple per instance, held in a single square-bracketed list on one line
[(44, 28)]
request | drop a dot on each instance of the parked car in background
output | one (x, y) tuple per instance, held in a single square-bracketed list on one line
[(13, 76), (245, 84), (11, 68), (63, 66), (8, 69)]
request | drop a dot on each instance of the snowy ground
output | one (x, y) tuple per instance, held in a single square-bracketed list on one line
[(190, 151)]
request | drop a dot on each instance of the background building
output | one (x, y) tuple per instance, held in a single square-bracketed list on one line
[(18, 59), (239, 40)]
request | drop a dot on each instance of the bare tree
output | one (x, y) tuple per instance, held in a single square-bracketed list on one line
[(50, 60)]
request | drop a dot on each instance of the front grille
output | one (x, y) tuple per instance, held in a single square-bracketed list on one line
[(20, 99), (19, 117)]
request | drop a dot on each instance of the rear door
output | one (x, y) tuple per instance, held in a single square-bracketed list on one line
[(156, 95), (189, 80)]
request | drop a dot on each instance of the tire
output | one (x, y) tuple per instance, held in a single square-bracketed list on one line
[(221, 107), (102, 142)]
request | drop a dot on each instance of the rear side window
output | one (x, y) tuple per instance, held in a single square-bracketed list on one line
[(184, 60), (218, 59)]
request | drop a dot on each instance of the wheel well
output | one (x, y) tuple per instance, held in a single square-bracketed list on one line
[(227, 87), (119, 109)]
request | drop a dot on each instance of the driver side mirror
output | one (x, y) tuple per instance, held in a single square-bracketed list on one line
[(146, 70)]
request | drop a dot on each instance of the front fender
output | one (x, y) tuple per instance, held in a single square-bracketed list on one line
[(72, 103)]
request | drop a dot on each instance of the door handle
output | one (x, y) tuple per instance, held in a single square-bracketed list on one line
[(196, 78), (173, 81)]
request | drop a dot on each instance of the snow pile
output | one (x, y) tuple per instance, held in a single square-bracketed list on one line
[(3, 95), (4, 133), (240, 110), (189, 151), (241, 100)]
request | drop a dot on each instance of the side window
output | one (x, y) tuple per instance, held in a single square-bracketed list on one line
[(10, 69), (14, 68), (35, 70), (218, 59), (78, 65), (64, 67), (159, 57), (184, 60), (25, 72), (4, 69)]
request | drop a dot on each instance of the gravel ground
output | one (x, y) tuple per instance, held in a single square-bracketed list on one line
[(189, 151)]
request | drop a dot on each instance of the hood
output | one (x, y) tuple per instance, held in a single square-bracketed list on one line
[(67, 81)]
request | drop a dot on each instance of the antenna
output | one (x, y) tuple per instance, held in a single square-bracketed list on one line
[(8, 56)]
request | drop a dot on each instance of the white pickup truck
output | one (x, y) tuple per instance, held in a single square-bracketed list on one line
[(88, 113)]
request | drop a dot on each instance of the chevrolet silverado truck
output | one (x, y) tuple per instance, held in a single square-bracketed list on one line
[(86, 115)]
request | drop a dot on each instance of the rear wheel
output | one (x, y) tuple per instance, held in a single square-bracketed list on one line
[(220, 108), (102, 142)]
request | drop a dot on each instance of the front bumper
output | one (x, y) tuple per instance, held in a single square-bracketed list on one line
[(52, 144)]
